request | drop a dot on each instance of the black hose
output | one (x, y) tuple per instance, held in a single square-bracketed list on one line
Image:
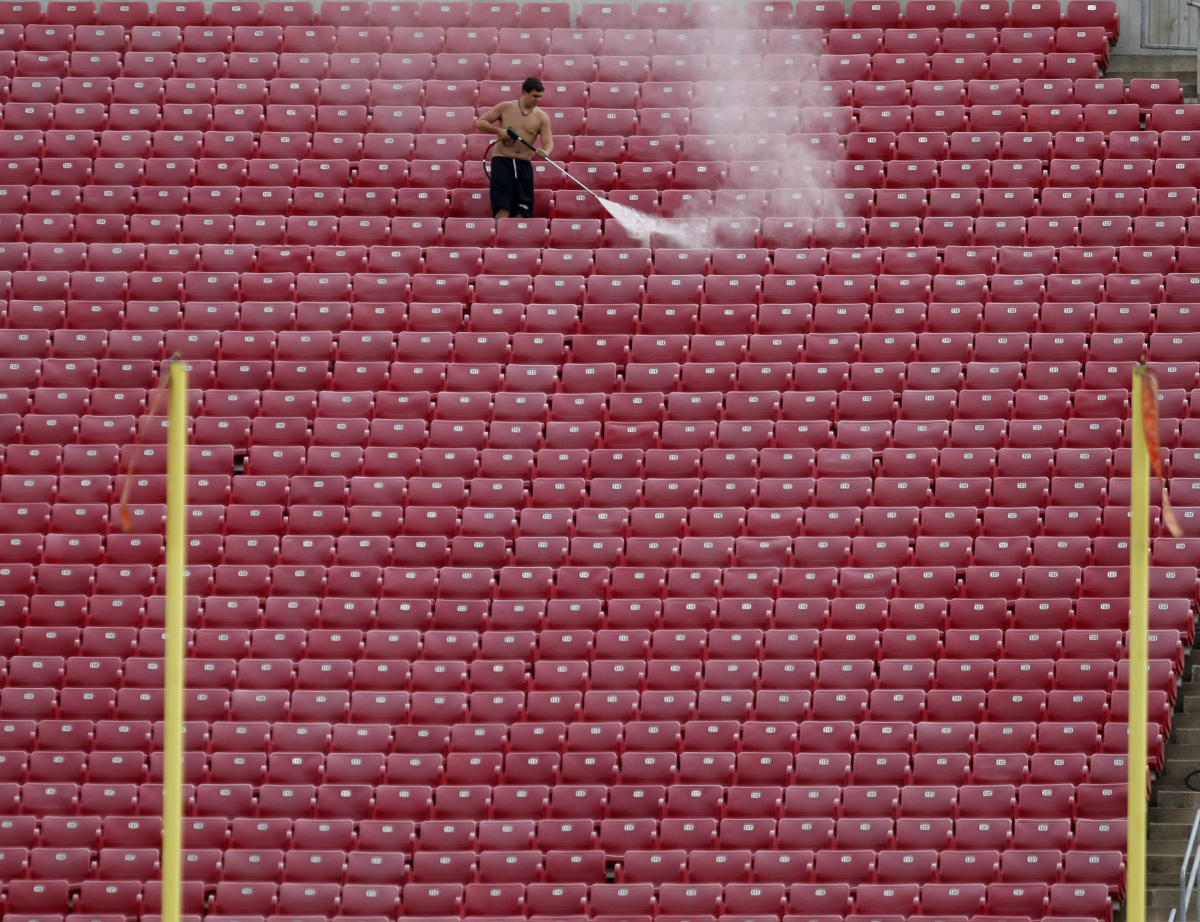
[(487, 164)]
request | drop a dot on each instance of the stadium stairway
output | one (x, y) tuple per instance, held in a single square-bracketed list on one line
[(1129, 66), (1173, 802)]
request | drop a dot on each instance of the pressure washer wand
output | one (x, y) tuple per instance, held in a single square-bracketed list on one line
[(516, 137)]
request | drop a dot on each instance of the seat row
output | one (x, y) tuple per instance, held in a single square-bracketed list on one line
[(569, 249), (552, 768), (261, 663), (24, 481), (494, 653), (831, 538), (1065, 330), (1117, 222), (556, 16), (256, 79), (668, 15), (409, 413), (614, 477), (180, 236), (25, 901), (827, 574), (266, 866), (230, 554), (126, 129), (266, 191), (444, 902), (721, 506), (884, 133), (1011, 753), (364, 613), (390, 439), (262, 870), (305, 13), (417, 730), (234, 713), (418, 802), (978, 414), (275, 159), (274, 39), (480, 66), (612, 836), (1088, 681), (334, 418), (615, 480), (490, 39), (765, 366), (1075, 466), (1004, 296), (88, 264), (189, 106), (913, 460)]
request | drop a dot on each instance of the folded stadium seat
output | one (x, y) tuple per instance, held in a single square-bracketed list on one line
[(854, 40), (1070, 65), (1047, 90), (958, 66), (1027, 39), (921, 40), (1079, 144), (1035, 13), (1055, 117), (995, 117), (1116, 117), (1022, 65), (881, 15), (847, 66)]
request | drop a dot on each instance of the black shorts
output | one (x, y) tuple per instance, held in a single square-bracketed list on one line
[(512, 186)]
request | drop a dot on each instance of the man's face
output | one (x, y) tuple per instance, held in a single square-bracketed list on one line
[(532, 98)]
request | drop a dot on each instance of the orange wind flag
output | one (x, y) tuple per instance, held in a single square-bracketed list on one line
[(1153, 448), (159, 395)]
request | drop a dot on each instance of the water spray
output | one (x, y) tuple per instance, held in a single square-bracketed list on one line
[(636, 223)]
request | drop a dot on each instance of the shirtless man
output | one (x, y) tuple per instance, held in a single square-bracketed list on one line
[(512, 167)]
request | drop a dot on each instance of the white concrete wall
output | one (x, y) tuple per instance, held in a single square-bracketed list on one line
[(1176, 20)]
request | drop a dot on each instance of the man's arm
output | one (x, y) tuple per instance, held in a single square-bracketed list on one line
[(546, 137), (487, 122)]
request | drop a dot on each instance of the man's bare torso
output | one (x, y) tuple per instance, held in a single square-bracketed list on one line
[(528, 126)]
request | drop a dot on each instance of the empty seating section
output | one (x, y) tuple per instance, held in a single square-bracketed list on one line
[(536, 570)]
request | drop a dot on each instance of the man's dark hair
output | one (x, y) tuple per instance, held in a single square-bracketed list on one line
[(532, 85)]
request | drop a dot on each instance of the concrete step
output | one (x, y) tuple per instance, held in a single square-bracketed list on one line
[(1186, 733), (1171, 815), (1181, 67), (1186, 730), (1188, 755), (1164, 864), (1171, 831), (1175, 773), (1171, 852), (1179, 800), (1154, 65), (1160, 900)]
